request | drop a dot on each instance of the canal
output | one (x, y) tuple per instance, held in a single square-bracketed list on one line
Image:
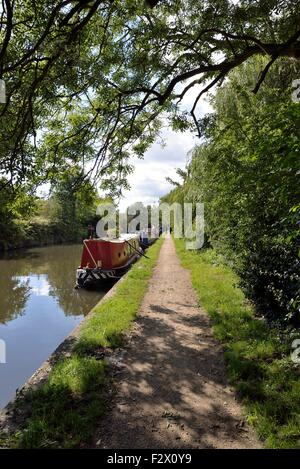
[(39, 307)]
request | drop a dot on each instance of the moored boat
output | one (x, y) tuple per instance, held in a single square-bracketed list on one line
[(106, 259)]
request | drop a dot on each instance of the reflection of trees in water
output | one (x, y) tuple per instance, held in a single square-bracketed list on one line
[(14, 294), (59, 264), (61, 271)]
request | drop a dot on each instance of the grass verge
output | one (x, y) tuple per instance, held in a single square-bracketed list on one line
[(64, 410), (257, 355)]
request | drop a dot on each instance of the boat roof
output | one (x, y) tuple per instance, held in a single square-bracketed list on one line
[(123, 237)]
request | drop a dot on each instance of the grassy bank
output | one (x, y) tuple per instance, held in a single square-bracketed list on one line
[(258, 356), (63, 412)]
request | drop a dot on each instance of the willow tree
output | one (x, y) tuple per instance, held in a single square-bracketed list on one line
[(87, 81), (246, 172)]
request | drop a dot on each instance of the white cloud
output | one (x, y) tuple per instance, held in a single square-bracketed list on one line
[(148, 181), (38, 284)]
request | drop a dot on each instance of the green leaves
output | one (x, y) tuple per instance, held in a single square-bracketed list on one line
[(97, 75), (247, 174)]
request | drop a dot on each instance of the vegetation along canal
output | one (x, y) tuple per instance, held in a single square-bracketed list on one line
[(39, 307)]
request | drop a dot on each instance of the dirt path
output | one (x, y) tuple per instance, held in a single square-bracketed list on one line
[(171, 384)]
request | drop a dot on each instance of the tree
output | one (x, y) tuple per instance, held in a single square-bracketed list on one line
[(108, 69), (75, 207), (15, 206)]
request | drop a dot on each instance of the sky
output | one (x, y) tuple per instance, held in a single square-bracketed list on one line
[(148, 181)]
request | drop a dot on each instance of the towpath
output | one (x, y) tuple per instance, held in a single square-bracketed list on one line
[(171, 386)]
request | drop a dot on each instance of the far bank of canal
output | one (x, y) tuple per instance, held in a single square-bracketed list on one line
[(39, 307)]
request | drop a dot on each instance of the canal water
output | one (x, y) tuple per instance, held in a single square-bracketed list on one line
[(39, 307)]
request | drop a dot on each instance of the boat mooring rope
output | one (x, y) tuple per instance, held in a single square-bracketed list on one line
[(139, 252), (90, 254)]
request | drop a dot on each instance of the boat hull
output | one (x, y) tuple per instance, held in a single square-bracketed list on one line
[(107, 262)]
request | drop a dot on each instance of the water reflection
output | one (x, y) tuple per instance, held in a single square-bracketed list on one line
[(38, 308), (13, 304)]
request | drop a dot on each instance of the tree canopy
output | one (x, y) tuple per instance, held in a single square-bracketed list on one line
[(88, 81)]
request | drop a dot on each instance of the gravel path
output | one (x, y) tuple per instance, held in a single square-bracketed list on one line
[(171, 387)]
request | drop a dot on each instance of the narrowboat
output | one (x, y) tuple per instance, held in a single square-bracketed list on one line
[(106, 259)]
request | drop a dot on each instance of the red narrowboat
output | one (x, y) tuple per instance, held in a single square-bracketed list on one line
[(105, 259)]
